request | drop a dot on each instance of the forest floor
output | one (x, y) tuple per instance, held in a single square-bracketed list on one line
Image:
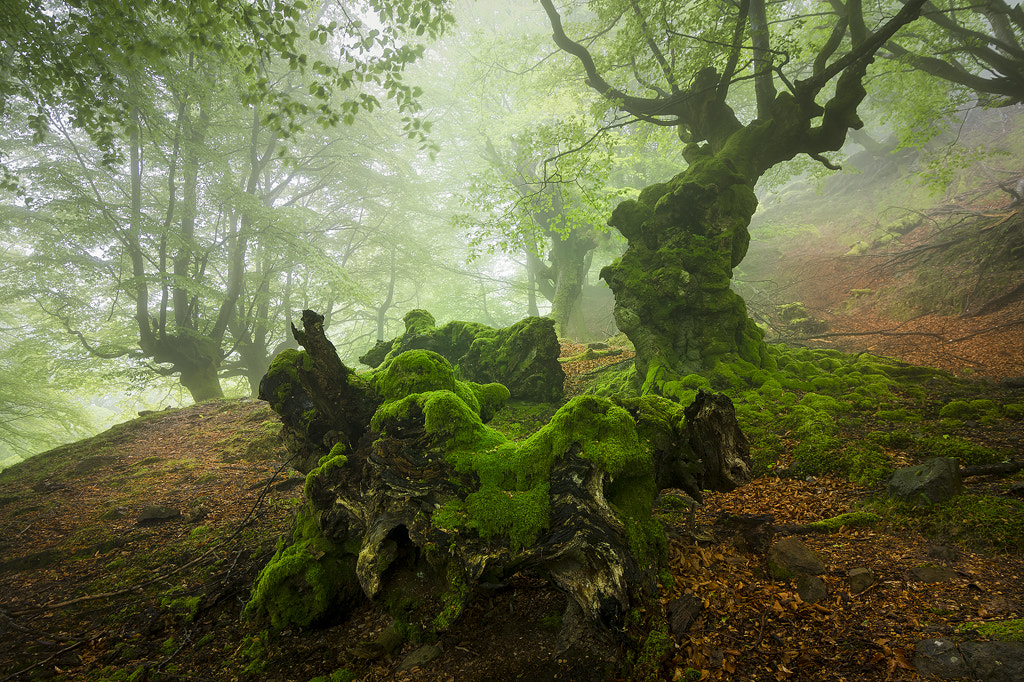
[(90, 591)]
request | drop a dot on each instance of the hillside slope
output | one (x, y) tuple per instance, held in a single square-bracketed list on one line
[(93, 591)]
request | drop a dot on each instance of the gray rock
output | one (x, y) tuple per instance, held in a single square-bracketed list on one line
[(942, 553), (861, 579), (811, 588), (932, 574), (941, 658), (156, 514), (937, 480), (418, 657), (790, 557), (995, 661), (1012, 382)]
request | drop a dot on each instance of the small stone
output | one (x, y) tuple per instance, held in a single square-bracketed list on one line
[(937, 480), (861, 579), (157, 514), (941, 658), (941, 552), (932, 574), (197, 514), (811, 588), (114, 514), (425, 654), (995, 661), (790, 556)]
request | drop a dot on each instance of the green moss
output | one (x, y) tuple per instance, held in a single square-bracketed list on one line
[(848, 520), (450, 516), (989, 522), (188, 606), (413, 371), (453, 600), (420, 371), (490, 397), (513, 498), (304, 580), (967, 452), (326, 465), (865, 464), (418, 322), (1013, 411), (901, 415), (1007, 630), (894, 439), (654, 647), (521, 515)]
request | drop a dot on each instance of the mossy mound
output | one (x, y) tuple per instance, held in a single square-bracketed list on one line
[(432, 501), (420, 371), (797, 406), (523, 357), (307, 580)]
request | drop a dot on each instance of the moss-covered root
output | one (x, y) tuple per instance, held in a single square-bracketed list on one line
[(307, 580)]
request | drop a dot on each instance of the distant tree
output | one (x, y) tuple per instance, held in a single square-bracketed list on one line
[(79, 55), (36, 409), (216, 217)]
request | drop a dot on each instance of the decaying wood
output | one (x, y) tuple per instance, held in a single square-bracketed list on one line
[(383, 495), (716, 438)]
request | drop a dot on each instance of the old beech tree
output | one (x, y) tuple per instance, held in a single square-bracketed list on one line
[(694, 67)]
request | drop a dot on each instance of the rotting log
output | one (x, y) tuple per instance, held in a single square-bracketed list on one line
[(422, 502)]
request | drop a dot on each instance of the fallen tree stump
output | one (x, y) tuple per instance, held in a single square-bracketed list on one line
[(415, 501)]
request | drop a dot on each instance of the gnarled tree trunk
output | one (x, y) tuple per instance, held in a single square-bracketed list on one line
[(423, 498)]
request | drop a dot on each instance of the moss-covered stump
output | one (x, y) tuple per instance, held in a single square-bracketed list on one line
[(523, 357), (672, 285), (323, 404), (430, 503)]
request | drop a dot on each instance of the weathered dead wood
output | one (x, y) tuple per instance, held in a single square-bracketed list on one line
[(718, 442), (1001, 469), (431, 502)]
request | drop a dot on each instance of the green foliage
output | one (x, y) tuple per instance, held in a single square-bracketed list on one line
[(88, 62)]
